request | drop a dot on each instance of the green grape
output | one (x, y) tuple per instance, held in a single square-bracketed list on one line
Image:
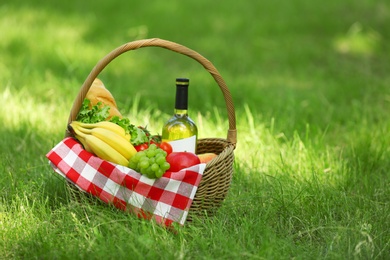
[(143, 164), (154, 167), (150, 162), (165, 166), (152, 147), (140, 154), (160, 160), (133, 165), (159, 173), (136, 158), (144, 171), (151, 153)]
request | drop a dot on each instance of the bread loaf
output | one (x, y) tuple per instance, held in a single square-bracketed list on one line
[(98, 93)]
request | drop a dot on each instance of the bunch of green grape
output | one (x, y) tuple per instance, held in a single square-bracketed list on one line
[(150, 162)]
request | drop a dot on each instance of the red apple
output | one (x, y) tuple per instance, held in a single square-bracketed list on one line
[(181, 160)]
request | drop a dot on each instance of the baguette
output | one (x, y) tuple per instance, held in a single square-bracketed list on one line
[(98, 93)]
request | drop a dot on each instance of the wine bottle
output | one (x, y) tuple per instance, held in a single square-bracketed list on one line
[(180, 130)]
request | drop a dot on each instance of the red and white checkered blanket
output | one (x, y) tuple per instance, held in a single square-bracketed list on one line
[(166, 199)]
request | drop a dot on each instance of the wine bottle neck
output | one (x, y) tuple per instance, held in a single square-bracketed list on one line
[(181, 97), (181, 112)]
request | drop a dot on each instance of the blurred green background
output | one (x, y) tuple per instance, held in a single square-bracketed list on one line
[(297, 61)]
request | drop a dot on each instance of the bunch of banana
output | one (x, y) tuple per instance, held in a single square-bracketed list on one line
[(105, 139)]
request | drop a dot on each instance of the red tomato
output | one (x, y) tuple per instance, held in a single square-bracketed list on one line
[(141, 147), (181, 160), (166, 147)]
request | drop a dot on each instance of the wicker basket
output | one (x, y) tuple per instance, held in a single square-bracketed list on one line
[(217, 177)]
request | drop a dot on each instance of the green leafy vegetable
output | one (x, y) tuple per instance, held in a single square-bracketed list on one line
[(95, 114), (138, 136), (100, 112)]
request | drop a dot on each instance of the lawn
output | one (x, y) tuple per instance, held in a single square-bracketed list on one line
[(310, 84)]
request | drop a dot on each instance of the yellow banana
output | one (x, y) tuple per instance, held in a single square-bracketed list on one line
[(128, 137), (119, 143), (105, 151), (105, 140), (81, 137), (103, 124)]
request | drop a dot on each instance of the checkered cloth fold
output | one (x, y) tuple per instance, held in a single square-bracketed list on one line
[(167, 199)]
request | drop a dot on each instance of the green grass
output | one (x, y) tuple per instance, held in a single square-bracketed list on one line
[(310, 84)]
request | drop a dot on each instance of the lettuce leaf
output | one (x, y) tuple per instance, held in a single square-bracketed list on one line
[(95, 114), (138, 136), (100, 112)]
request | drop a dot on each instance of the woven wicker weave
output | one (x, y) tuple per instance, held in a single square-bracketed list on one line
[(217, 177)]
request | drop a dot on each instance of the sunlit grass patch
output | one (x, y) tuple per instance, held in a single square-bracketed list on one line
[(358, 41), (21, 109)]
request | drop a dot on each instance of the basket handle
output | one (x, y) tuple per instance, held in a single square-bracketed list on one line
[(155, 42)]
